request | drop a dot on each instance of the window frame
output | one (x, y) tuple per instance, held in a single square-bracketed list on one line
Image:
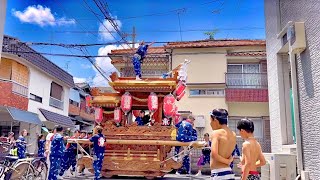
[(36, 98), (235, 120), (216, 92), (62, 91)]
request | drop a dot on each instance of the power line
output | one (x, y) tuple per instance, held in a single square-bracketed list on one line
[(150, 31), (56, 54), (91, 10), (89, 56), (106, 13)]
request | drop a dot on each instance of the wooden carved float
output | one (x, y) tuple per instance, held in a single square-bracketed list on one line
[(131, 149)]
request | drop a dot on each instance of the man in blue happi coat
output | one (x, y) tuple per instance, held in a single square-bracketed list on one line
[(98, 149), (70, 156), (57, 152), (186, 133), (138, 57)]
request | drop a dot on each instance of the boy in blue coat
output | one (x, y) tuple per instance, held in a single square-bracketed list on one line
[(57, 152), (98, 149)]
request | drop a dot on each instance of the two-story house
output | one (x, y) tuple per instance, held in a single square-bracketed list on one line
[(32, 83), (82, 115), (228, 74)]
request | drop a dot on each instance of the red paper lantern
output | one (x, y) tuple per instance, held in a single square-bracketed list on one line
[(98, 115), (88, 101), (180, 88), (136, 113), (169, 105), (181, 96), (117, 115), (126, 102), (153, 102)]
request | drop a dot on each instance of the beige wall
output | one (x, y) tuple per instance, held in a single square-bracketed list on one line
[(201, 106), (248, 109), (209, 66)]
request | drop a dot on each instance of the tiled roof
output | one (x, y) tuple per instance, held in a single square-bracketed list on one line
[(151, 50), (252, 54), (36, 59), (215, 43), (57, 118)]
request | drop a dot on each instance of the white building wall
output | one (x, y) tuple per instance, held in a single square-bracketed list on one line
[(40, 85)]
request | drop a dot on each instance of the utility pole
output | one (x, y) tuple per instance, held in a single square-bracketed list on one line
[(180, 11), (133, 35), (3, 7)]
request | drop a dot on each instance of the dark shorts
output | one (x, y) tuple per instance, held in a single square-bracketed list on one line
[(253, 177)]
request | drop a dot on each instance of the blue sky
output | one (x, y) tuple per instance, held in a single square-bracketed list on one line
[(57, 21)]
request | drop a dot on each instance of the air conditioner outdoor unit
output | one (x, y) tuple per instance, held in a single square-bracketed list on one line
[(279, 167), (200, 121)]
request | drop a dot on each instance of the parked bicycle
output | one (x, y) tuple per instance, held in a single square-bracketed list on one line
[(22, 169)]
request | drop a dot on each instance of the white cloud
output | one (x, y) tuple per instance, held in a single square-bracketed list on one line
[(108, 31), (79, 80), (105, 64), (41, 16)]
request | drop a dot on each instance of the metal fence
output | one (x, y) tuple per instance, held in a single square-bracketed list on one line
[(19, 89)]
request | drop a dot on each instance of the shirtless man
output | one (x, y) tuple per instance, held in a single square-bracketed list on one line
[(222, 145), (252, 156)]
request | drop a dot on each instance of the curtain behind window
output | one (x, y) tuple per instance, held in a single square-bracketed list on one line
[(56, 91)]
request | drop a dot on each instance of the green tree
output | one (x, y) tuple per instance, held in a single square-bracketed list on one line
[(211, 34)]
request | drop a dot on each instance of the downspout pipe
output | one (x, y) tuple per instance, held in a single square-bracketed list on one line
[(296, 113)]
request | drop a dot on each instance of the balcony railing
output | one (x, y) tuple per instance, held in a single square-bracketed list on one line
[(17, 88), (247, 80), (129, 72), (86, 112), (56, 103)]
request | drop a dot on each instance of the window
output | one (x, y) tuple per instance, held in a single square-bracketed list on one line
[(56, 96), (35, 98), (207, 92), (245, 76), (243, 68), (56, 91), (258, 126)]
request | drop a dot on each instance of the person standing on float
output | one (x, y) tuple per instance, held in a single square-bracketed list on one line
[(138, 57)]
